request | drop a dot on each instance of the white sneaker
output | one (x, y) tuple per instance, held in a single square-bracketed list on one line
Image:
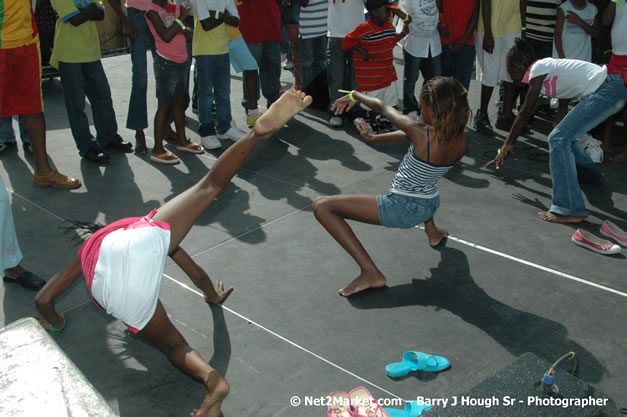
[(234, 133), (210, 142), (336, 121)]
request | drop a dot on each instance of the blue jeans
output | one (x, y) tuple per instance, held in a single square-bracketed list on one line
[(268, 57), (214, 83), (312, 58), (7, 134), (458, 66), (82, 80), (340, 72), (567, 157), (430, 67), (137, 118)]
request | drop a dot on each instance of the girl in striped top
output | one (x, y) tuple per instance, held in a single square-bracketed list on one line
[(435, 146)]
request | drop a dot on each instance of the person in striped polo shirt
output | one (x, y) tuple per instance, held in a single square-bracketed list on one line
[(540, 29), (313, 39), (373, 44)]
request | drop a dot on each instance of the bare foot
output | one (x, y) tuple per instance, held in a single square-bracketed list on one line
[(281, 111), (547, 216), (217, 390), (621, 158), (437, 237), (363, 282), (140, 143)]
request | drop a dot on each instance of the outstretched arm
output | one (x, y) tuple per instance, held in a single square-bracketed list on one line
[(199, 277), (523, 117), (345, 103), (45, 298)]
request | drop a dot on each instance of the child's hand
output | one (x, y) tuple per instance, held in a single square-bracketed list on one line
[(220, 294), (129, 28), (364, 129), (184, 11), (444, 32), (573, 18), (342, 104), (501, 155), (405, 30), (488, 43)]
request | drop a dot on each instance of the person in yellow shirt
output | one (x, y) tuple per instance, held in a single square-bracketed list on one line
[(210, 47), (76, 54), (20, 86), (500, 23)]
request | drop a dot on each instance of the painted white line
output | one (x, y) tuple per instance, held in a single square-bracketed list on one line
[(296, 345), (533, 265)]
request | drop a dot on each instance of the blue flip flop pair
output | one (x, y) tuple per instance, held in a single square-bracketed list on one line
[(414, 361), (412, 409), (417, 361)]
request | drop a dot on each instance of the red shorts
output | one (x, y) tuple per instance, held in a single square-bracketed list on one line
[(618, 65), (20, 81)]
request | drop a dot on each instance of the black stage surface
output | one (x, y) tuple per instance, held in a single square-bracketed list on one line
[(503, 284)]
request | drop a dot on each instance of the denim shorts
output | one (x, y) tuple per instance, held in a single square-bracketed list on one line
[(404, 212), (290, 11), (169, 78)]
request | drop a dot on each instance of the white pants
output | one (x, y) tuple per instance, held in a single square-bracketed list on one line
[(492, 68), (10, 253)]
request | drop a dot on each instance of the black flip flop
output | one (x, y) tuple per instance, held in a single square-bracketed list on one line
[(27, 280)]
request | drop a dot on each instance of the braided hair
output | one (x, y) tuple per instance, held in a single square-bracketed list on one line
[(521, 55)]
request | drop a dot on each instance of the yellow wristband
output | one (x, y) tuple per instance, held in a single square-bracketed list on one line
[(350, 95), (181, 24), (406, 17), (523, 28)]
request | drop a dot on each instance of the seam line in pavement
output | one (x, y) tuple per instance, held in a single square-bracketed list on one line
[(296, 345), (456, 239)]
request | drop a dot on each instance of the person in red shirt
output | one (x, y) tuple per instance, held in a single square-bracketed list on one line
[(373, 44), (458, 50), (260, 24)]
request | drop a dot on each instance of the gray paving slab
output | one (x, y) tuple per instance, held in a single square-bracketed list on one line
[(481, 309)]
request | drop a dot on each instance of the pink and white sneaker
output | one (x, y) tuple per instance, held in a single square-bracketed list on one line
[(595, 244), (614, 232)]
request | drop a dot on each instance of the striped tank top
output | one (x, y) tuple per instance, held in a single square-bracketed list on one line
[(418, 178)]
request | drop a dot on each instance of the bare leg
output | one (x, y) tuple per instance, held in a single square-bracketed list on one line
[(140, 143), (547, 216), (292, 35), (252, 79), (486, 94), (161, 333), (35, 125), (508, 98), (161, 117), (178, 114), (331, 212), (182, 211), (434, 233), (621, 158)]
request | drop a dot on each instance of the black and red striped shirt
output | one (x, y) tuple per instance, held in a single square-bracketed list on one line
[(378, 72)]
